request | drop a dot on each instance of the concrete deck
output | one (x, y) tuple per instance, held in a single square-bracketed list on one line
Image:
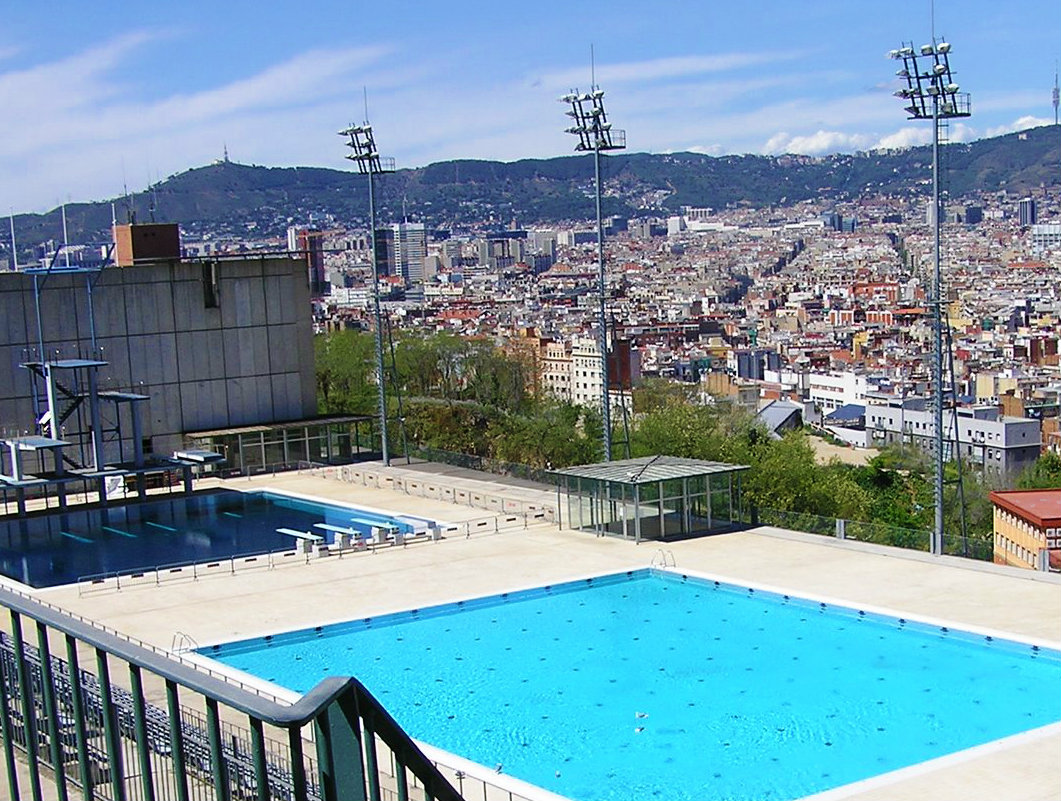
[(224, 607)]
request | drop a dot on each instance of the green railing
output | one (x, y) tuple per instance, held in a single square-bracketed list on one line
[(93, 715)]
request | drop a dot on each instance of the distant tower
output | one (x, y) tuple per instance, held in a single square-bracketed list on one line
[(225, 156), (1057, 95)]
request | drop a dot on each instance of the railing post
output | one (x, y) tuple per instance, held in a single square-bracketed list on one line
[(143, 747), (176, 741), (338, 736), (261, 766), (51, 712), (218, 765), (6, 733), (298, 765), (77, 702), (29, 711), (110, 727), (841, 528)]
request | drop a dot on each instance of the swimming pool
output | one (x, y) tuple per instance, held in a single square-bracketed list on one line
[(650, 684), (60, 548)]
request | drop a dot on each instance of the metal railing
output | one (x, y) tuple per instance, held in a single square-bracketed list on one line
[(101, 733), (431, 487), (868, 531)]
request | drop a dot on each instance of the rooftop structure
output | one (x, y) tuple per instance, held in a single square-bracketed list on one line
[(1028, 528)]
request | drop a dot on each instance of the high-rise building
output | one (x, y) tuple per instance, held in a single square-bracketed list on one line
[(401, 250), (307, 244), (1026, 211)]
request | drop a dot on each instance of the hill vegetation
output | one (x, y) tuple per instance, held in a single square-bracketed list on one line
[(251, 201)]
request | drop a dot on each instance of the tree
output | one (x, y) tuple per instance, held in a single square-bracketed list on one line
[(1044, 473), (346, 373)]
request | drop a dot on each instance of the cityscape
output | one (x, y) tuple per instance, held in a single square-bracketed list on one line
[(674, 439)]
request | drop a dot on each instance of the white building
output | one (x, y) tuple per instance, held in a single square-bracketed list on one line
[(833, 390)]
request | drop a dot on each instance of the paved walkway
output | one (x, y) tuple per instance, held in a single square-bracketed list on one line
[(224, 607)]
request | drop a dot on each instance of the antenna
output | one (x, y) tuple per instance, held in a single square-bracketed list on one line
[(1057, 93), (364, 90), (66, 238), (592, 69), (14, 250)]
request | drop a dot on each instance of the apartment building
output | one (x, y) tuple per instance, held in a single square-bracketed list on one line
[(997, 444), (1027, 527)]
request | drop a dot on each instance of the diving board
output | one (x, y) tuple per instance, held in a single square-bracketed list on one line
[(302, 535)]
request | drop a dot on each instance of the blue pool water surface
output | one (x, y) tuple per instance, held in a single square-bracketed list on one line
[(653, 685), (59, 548)]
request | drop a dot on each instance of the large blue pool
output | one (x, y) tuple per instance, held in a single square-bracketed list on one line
[(53, 549), (654, 685)]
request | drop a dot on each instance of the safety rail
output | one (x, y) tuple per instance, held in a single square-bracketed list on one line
[(103, 733), (435, 489)]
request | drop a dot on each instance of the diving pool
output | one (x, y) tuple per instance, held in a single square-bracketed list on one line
[(64, 547), (653, 684)]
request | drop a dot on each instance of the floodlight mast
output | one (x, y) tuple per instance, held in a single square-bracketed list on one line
[(933, 95), (369, 163), (595, 133)]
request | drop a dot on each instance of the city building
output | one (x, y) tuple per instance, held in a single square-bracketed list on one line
[(307, 245), (1027, 527), (1026, 212), (997, 444)]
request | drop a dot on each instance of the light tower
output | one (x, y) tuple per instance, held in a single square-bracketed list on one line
[(370, 164), (595, 133), (932, 94)]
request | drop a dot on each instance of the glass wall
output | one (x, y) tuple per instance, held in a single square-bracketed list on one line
[(659, 510), (261, 449)]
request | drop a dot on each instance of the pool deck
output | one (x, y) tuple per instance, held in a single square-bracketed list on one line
[(253, 602)]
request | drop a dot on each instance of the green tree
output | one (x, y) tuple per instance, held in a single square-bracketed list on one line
[(345, 367), (1044, 473)]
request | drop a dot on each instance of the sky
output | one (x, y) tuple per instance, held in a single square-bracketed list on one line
[(95, 97)]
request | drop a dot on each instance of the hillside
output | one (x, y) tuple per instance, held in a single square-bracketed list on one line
[(261, 201)]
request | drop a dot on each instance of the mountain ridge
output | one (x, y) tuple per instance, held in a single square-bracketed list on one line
[(227, 198)]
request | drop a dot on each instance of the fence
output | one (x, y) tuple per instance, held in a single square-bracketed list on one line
[(865, 531), (432, 488), (102, 733)]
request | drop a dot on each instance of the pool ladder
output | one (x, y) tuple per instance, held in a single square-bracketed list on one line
[(182, 642), (662, 558)]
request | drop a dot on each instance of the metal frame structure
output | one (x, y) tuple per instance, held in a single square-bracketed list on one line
[(370, 164), (94, 723), (596, 134), (932, 94), (650, 497)]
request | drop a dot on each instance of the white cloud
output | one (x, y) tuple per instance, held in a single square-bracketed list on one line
[(817, 143), (1019, 124), (654, 69), (911, 136), (91, 124)]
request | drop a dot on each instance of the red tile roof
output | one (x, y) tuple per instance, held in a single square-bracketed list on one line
[(1041, 507)]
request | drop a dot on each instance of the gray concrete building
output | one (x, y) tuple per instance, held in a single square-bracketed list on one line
[(997, 444), (213, 345)]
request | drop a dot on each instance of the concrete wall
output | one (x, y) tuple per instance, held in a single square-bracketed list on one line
[(241, 355)]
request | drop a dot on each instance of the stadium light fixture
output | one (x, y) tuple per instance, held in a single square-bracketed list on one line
[(596, 134), (932, 94), (362, 144)]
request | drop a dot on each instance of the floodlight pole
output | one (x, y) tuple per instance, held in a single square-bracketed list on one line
[(380, 382), (602, 313), (934, 84), (595, 133), (369, 163), (937, 331)]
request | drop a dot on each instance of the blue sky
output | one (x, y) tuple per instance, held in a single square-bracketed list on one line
[(96, 95)]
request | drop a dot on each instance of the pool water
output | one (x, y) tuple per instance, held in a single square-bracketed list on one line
[(654, 685), (60, 548)]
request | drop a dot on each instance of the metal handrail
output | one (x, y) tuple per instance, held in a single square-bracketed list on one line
[(347, 691)]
